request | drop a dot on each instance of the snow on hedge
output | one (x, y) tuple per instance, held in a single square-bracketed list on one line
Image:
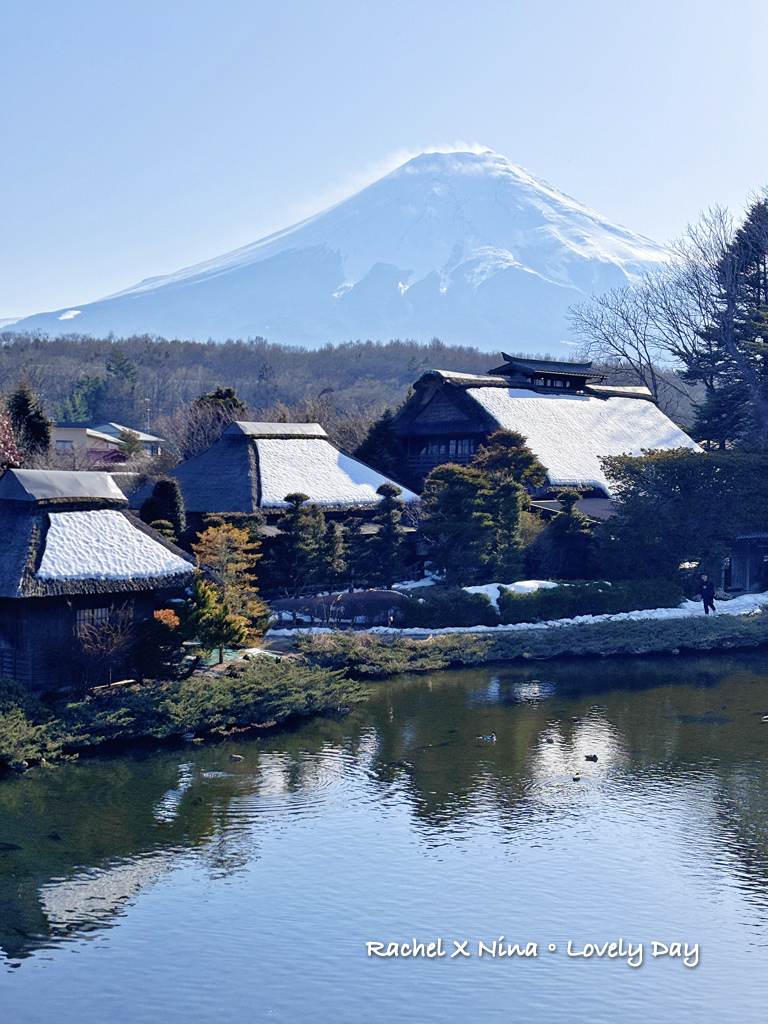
[(747, 604), (103, 545), (569, 433), (493, 590), (313, 466)]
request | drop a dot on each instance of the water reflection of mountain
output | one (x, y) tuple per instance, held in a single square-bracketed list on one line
[(79, 842)]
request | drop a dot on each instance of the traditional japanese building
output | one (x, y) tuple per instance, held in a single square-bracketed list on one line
[(568, 415), (255, 465), (72, 555)]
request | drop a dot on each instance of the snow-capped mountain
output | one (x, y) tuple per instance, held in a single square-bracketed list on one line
[(463, 246)]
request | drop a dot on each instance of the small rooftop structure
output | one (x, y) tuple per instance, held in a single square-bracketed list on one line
[(255, 465)]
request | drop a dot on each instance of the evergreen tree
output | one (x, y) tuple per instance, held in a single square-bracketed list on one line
[(383, 448), (566, 549), (356, 555), (333, 556), (506, 456), (296, 558), (31, 426), (85, 401), (118, 400), (207, 419), (132, 443), (456, 527), (207, 620), (506, 502), (385, 548), (166, 502), (678, 507), (231, 555)]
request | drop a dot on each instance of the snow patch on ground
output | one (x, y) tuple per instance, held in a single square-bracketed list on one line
[(747, 604), (493, 590), (103, 545), (414, 584)]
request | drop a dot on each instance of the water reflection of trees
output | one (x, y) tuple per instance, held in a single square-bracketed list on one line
[(78, 842), (692, 724)]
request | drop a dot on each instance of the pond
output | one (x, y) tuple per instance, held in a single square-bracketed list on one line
[(186, 887)]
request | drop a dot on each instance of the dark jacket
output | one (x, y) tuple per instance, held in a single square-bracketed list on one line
[(706, 589)]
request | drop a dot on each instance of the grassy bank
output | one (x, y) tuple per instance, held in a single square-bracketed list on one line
[(244, 696), (374, 656)]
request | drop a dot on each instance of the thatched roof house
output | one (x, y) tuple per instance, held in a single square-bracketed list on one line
[(255, 465), (570, 418), (71, 554)]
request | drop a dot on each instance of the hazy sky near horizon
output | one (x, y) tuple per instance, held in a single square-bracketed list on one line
[(141, 137)]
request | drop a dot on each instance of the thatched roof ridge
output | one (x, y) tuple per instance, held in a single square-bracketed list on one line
[(254, 428), (44, 485)]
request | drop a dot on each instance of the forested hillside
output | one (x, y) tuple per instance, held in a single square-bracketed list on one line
[(145, 381)]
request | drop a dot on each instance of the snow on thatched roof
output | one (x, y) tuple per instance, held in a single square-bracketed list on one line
[(69, 533), (102, 544), (255, 465), (570, 433), (318, 469)]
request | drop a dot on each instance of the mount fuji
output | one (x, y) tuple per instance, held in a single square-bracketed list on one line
[(463, 246)]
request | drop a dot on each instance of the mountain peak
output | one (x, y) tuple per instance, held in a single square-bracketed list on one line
[(463, 245)]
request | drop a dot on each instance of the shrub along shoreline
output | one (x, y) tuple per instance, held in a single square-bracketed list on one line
[(375, 656), (247, 695), (329, 676)]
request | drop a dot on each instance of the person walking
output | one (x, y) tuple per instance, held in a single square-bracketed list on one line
[(707, 591)]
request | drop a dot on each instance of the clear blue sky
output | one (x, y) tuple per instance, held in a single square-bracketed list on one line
[(142, 136)]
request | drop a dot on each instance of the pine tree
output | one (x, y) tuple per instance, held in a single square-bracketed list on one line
[(383, 448), (506, 502), (566, 549), (333, 556), (296, 559), (85, 401), (356, 556), (385, 548), (166, 502), (456, 527), (506, 456), (207, 620), (31, 426)]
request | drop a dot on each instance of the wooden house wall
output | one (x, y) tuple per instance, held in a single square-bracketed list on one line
[(38, 636), (447, 428), (749, 564)]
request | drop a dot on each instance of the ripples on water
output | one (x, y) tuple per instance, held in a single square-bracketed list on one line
[(617, 800)]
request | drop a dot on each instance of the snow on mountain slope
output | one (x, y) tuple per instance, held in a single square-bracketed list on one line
[(464, 246)]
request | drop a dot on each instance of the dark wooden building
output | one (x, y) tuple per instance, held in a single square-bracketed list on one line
[(569, 416), (71, 554)]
